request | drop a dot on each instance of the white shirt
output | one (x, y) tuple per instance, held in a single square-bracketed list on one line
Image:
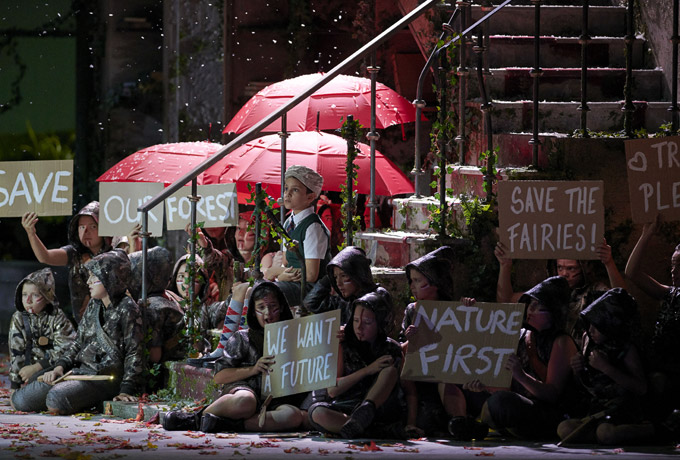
[(317, 236)]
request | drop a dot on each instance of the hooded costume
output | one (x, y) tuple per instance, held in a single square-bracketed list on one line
[(110, 338), (353, 261), (245, 347), (164, 317), (78, 254), (37, 338), (436, 267)]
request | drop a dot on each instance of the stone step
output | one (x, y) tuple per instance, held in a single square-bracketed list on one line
[(561, 20), (558, 51), (564, 84), (564, 117)]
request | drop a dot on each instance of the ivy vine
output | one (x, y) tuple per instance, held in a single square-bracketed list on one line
[(351, 223)]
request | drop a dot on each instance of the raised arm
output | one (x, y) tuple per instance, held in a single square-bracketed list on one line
[(604, 252), (504, 292), (56, 257), (634, 271)]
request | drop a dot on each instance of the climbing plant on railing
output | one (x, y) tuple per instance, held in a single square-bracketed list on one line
[(191, 336), (351, 223)]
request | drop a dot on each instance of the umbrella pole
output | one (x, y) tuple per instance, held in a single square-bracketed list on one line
[(349, 205), (283, 134), (373, 136), (145, 247), (192, 257), (258, 230)]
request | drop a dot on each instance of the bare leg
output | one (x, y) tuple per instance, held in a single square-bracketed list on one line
[(409, 387), (566, 427), (382, 388), (239, 405), (329, 419), (282, 418), (453, 399)]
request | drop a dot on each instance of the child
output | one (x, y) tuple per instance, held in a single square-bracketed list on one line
[(241, 370), (109, 342), (610, 368), (302, 189), (367, 397), (84, 244), (39, 332), (348, 277), (542, 384), (430, 279)]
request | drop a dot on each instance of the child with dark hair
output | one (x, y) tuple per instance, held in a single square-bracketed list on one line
[(39, 332), (367, 397), (610, 369), (241, 370), (542, 387), (348, 277), (431, 405)]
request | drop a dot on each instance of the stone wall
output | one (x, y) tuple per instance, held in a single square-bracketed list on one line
[(657, 16)]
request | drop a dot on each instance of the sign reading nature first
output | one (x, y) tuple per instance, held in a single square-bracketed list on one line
[(43, 187), (654, 178), (551, 219)]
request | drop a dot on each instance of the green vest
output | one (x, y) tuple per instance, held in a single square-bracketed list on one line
[(299, 233)]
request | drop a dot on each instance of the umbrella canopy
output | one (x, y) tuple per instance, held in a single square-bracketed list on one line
[(162, 163), (342, 96), (260, 161)]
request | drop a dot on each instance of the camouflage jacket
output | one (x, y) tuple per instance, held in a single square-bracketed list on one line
[(110, 338), (51, 333)]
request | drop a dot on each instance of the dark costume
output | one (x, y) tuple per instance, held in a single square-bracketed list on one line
[(163, 316), (78, 254), (518, 411), (37, 338), (358, 355), (109, 342), (326, 296)]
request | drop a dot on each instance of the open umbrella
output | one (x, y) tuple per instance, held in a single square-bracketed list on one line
[(260, 161), (342, 96)]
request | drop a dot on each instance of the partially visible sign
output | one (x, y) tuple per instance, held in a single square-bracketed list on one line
[(43, 187), (654, 178), (456, 344), (118, 203), (551, 219), (218, 207), (306, 354)]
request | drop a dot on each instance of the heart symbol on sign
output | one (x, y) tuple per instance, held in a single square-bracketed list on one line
[(638, 162)]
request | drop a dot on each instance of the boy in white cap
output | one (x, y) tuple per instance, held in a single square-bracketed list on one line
[(303, 186)]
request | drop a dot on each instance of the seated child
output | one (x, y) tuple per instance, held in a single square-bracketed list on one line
[(109, 342), (303, 186), (610, 369), (367, 398), (348, 277), (39, 332), (241, 370)]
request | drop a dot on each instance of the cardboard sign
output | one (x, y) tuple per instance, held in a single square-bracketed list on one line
[(457, 344), (43, 187), (551, 219), (306, 354), (654, 178), (118, 203), (217, 207)]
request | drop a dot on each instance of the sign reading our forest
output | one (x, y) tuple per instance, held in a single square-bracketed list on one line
[(43, 187), (118, 203), (456, 344), (551, 219), (654, 178), (217, 207), (306, 354)]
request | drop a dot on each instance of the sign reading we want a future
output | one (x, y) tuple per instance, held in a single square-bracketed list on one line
[(551, 219), (654, 178), (305, 352), (456, 343)]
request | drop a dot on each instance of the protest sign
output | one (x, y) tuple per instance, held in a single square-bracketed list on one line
[(217, 207), (551, 219), (306, 354), (43, 187), (457, 344), (118, 203), (654, 178)]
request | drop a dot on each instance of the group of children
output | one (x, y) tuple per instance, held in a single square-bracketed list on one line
[(580, 370)]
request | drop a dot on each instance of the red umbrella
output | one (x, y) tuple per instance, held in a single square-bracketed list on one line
[(164, 163), (260, 161), (342, 96)]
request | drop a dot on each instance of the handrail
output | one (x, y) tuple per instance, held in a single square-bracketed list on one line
[(254, 131)]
